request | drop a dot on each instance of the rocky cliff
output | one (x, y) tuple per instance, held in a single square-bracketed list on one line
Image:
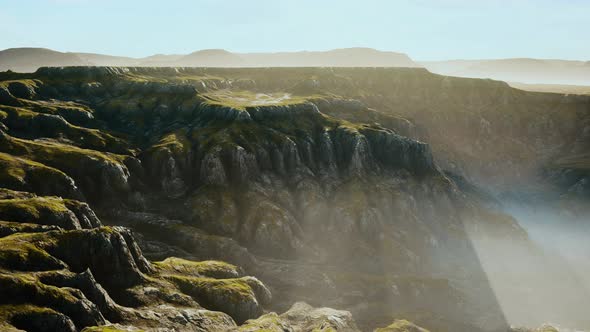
[(317, 181)]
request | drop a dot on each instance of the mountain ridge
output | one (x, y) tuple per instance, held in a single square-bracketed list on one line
[(519, 70), (543, 75), (344, 57)]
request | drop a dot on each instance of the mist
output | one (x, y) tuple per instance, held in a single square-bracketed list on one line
[(545, 280)]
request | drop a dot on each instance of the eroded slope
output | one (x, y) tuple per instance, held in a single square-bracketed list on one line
[(324, 198)]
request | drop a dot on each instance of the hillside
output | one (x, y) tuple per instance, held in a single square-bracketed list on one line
[(29, 59), (555, 88), (374, 191), (519, 70)]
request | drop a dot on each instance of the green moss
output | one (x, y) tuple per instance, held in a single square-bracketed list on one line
[(42, 210), (401, 326), (108, 329), (175, 141), (31, 208), (12, 169), (208, 290), (9, 311), (9, 228), (73, 112), (270, 322), (230, 135), (324, 329), (241, 99), (15, 194), (14, 166), (51, 152), (86, 167), (30, 83), (25, 252), (175, 144), (17, 113), (213, 269), (26, 287)]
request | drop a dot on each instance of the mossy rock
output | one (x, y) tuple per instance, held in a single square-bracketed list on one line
[(168, 163), (26, 175), (270, 322), (214, 209), (75, 113), (95, 172), (33, 318), (25, 122), (22, 289), (48, 151), (39, 210), (210, 269), (233, 296), (303, 317), (175, 141), (9, 228), (26, 252), (402, 325), (269, 227), (106, 251), (15, 194), (111, 328), (22, 88)]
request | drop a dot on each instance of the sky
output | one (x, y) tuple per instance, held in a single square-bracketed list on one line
[(423, 29)]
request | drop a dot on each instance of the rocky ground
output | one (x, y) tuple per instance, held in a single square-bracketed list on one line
[(329, 196)]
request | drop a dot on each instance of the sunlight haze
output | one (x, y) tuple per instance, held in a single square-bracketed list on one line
[(425, 30)]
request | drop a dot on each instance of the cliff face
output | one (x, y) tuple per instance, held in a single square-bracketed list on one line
[(67, 277), (311, 179)]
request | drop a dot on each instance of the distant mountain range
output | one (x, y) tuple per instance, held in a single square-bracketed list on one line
[(521, 70), (29, 59), (517, 70)]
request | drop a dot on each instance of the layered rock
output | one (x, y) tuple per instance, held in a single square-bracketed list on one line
[(304, 189), (52, 279), (303, 317)]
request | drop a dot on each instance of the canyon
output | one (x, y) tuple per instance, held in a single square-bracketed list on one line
[(290, 199)]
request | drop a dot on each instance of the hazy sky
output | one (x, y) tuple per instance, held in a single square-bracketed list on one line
[(424, 29)]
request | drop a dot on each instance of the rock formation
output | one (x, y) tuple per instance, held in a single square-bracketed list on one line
[(357, 189)]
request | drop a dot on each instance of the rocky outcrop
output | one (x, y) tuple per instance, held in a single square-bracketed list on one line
[(63, 280), (104, 251), (71, 302), (95, 172), (91, 289), (164, 237), (234, 296), (6, 98), (51, 211), (401, 326), (303, 317), (25, 175), (340, 173), (9, 228), (32, 318)]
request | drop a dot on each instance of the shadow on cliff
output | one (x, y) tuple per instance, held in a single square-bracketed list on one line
[(543, 280)]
